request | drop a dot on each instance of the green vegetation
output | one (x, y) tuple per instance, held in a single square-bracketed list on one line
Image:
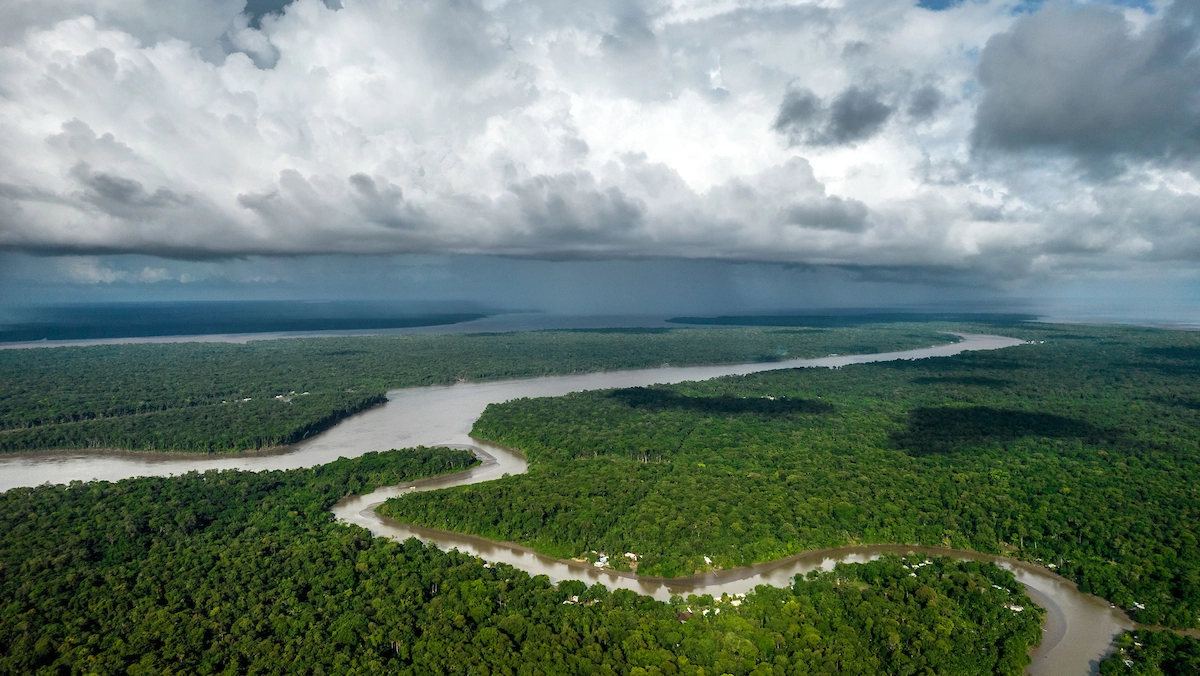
[(1153, 653), (247, 573), (851, 319), (1080, 452), (224, 397)]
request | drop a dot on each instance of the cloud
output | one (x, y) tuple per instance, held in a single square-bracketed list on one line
[(925, 102), (1087, 81), (829, 213), (853, 115), (801, 116), (856, 115), (91, 270), (575, 210), (864, 134), (120, 196)]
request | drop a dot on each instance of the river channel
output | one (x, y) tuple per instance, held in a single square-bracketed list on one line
[(1078, 631)]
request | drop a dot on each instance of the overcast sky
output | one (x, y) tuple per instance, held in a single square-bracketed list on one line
[(862, 149)]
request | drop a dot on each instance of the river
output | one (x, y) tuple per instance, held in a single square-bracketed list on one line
[(1078, 631)]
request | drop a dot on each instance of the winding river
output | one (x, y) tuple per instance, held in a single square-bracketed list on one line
[(1078, 631)]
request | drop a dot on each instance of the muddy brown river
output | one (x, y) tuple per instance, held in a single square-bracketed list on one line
[(1077, 634)]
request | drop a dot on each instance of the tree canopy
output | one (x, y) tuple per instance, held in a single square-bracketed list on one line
[(214, 397), (1079, 451), (247, 573)]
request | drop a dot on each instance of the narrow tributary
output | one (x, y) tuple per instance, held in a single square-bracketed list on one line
[(1078, 631)]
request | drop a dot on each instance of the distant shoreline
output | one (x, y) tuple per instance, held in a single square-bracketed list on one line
[(504, 322), (497, 322)]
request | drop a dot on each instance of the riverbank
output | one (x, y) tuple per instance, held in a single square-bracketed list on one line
[(1078, 631)]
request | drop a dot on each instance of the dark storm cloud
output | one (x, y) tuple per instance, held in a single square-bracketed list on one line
[(925, 102), (118, 195), (383, 203), (854, 115), (20, 193), (1083, 80), (829, 213), (98, 193), (825, 135), (800, 115), (573, 208)]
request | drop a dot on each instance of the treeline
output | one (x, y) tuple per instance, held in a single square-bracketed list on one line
[(221, 397), (247, 573), (1153, 653), (228, 426), (1081, 452)]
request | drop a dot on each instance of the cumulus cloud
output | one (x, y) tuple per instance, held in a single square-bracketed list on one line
[(866, 134), (1087, 80), (853, 115), (829, 213), (925, 102), (91, 270)]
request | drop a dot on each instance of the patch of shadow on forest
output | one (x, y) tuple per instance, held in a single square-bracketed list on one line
[(1174, 352), (632, 330), (1189, 403), (941, 431), (1171, 361), (965, 365), (979, 381), (662, 400), (854, 319)]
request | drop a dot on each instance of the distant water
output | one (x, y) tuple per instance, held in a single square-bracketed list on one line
[(848, 318), (105, 322), (1177, 321), (242, 322), (498, 323)]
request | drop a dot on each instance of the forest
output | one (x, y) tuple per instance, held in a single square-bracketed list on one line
[(854, 319), (214, 397), (1153, 653), (1078, 450), (247, 573)]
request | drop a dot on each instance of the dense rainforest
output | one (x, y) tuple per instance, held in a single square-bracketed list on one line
[(224, 397), (1080, 450), (247, 573), (1153, 653)]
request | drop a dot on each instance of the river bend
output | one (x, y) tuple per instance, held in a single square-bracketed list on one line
[(1078, 631)]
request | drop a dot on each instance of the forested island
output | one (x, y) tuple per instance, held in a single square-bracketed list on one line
[(247, 573), (216, 397)]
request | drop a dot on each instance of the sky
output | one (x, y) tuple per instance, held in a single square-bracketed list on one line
[(605, 156)]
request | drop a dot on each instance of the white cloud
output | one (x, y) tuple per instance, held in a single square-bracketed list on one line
[(151, 275), (540, 129), (89, 270), (95, 270)]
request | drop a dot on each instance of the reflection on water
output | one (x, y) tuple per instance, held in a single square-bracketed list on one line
[(1078, 631)]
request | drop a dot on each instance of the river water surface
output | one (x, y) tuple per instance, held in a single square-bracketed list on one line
[(1078, 631)]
